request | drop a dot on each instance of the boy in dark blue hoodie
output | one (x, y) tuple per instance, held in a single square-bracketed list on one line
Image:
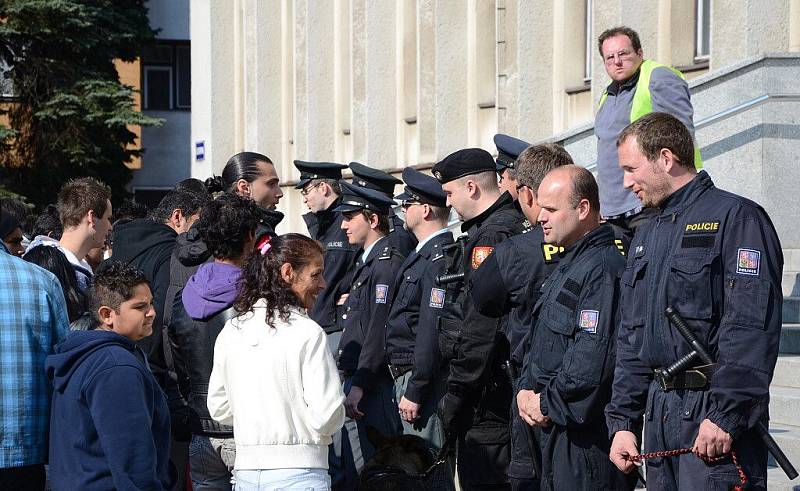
[(109, 421)]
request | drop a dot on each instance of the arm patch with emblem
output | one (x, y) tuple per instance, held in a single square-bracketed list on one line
[(437, 298), (381, 293), (479, 254)]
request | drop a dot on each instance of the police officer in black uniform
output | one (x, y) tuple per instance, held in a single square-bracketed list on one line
[(362, 350), (569, 367), (508, 149), (403, 240), (715, 258), (475, 408), (319, 184), (507, 284), (412, 346)]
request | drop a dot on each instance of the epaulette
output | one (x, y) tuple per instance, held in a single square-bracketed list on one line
[(385, 254)]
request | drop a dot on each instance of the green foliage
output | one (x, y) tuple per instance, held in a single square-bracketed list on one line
[(70, 113)]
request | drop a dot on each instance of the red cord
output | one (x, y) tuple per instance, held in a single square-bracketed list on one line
[(681, 451)]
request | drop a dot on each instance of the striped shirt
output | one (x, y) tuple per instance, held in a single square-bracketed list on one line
[(33, 319)]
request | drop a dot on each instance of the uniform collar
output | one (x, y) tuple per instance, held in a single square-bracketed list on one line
[(687, 195), (601, 235), (504, 200), (427, 239), (368, 252), (323, 218)]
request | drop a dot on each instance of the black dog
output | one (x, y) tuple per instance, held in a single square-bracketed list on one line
[(402, 462)]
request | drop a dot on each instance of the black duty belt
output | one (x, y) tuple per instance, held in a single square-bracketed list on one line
[(696, 378), (398, 371)]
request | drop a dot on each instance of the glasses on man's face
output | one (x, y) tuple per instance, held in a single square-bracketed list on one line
[(624, 55), (308, 189), (408, 204)]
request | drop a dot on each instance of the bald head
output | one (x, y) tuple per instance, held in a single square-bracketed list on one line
[(570, 205)]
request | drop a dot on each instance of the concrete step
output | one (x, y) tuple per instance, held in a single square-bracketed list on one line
[(784, 405), (791, 283), (787, 371), (777, 480), (791, 310), (790, 339), (788, 438)]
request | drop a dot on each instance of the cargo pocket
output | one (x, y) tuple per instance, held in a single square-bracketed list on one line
[(746, 301), (484, 455), (635, 287), (689, 285)]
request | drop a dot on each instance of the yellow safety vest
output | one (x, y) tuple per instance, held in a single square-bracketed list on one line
[(642, 103)]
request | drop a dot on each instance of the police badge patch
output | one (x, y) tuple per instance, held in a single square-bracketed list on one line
[(479, 254), (589, 320), (381, 292), (748, 262), (437, 298)]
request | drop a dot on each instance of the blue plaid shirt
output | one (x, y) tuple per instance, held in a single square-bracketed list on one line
[(33, 319)]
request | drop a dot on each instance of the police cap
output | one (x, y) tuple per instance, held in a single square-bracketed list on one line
[(367, 177), (421, 188), (317, 170), (508, 150), (463, 163), (360, 198)]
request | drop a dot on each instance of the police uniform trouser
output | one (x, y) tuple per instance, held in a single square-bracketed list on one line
[(380, 412), (484, 451), (520, 470), (671, 421), (577, 459)]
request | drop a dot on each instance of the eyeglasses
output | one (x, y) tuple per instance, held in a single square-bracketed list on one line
[(408, 204), (308, 189), (624, 55)]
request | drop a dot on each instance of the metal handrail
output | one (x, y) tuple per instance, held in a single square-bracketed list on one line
[(745, 106), (733, 111)]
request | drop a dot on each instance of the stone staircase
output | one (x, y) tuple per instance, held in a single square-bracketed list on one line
[(784, 405)]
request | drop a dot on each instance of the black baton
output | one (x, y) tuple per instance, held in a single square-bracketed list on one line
[(772, 446)]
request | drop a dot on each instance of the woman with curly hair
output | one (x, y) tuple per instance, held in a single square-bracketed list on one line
[(274, 378)]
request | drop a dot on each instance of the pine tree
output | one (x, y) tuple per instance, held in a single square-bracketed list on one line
[(70, 112)]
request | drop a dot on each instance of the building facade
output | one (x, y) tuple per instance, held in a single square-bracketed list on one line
[(393, 83)]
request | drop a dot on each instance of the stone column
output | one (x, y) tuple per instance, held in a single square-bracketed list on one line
[(451, 67), (380, 101), (212, 32)]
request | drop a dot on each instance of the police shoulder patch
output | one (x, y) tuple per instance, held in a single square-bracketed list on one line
[(437, 298), (748, 262), (588, 321), (479, 254), (381, 293)]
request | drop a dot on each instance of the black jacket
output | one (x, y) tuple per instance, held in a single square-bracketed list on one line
[(148, 245), (411, 329), (325, 226), (362, 349)]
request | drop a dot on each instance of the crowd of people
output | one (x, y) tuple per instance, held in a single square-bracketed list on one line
[(190, 346)]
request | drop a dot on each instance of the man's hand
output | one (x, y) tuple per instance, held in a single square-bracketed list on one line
[(351, 402), (624, 445), (529, 409), (409, 411), (712, 441)]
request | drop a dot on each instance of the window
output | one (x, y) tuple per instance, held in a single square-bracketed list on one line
[(588, 54), (166, 76), (702, 33)]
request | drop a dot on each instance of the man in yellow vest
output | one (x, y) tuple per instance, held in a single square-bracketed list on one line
[(638, 87)]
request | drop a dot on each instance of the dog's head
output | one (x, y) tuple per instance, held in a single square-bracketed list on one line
[(398, 463)]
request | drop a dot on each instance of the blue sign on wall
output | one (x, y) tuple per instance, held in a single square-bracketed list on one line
[(200, 150)]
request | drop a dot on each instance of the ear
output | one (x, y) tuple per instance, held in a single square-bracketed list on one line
[(373, 221), (426, 213), (175, 217), (375, 437), (243, 188), (287, 273), (584, 208), (90, 216), (106, 315), (667, 160)]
